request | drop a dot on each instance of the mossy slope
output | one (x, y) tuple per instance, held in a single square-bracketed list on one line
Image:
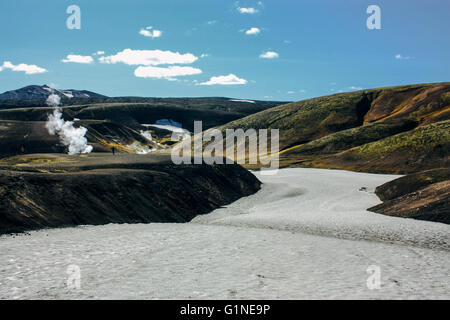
[(393, 129)]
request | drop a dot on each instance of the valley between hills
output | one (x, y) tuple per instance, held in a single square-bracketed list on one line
[(364, 182), (395, 130)]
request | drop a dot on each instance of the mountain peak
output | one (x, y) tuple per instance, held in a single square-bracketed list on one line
[(42, 92)]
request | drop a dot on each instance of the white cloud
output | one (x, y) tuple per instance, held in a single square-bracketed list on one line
[(290, 92), (149, 57), (355, 88), (99, 53), (252, 31), (204, 55), (287, 41), (148, 32), (247, 10), (302, 91), (168, 73), (230, 79), (401, 57), (212, 22), (269, 55), (27, 68), (78, 59)]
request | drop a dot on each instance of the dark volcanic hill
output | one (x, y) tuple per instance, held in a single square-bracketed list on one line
[(56, 190), (423, 195), (387, 130), (42, 92)]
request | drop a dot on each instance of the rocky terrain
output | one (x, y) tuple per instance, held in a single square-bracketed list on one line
[(56, 190), (423, 196), (26, 137)]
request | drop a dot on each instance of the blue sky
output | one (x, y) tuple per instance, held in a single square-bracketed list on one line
[(316, 47)]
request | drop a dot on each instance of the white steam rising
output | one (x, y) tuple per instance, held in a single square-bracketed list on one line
[(70, 136)]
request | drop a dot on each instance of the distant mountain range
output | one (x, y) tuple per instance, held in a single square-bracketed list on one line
[(42, 92)]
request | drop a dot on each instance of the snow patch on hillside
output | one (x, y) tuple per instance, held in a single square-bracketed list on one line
[(242, 100), (173, 126)]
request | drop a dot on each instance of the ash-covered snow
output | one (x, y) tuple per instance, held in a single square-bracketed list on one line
[(330, 203), (140, 148), (242, 100), (175, 127), (68, 94), (305, 235), (147, 135)]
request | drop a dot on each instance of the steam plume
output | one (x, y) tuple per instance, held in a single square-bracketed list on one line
[(70, 136)]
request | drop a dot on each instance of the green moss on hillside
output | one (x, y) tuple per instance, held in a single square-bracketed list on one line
[(423, 148), (421, 140), (348, 130), (354, 137)]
